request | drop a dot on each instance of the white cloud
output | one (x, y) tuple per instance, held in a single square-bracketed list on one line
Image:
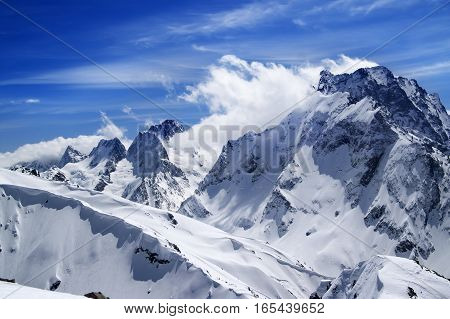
[(372, 5), (32, 101), (53, 149), (202, 48), (126, 109), (426, 70), (109, 129), (299, 22), (21, 101), (358, 7), (137, 74), (241, 94), (48, 150), (245, 16), (129, 111)]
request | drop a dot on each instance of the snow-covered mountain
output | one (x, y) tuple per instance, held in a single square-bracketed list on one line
[(365, 157), (142, 173), (58, 237), (71, 155), (160, 183), (387, 277), (344, 198), (168, 129)]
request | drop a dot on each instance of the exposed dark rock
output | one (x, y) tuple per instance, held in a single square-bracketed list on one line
[(151, 256), (59, 177), (112, 150), (172, 219), (168, 128), (55, 285), (191, 207), (12, 281), (411, 293), (372, 165), (96, 295)]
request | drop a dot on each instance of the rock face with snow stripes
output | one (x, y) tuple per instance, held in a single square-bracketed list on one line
[(160, 183), (110, 150), (367, 152), (70, 155), (167, 129), (404, 102)]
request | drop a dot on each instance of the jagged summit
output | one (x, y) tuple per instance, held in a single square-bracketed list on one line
[(402, 101), (161, 184), (168, 128), (146, 153), (71, 155), (112, 150)]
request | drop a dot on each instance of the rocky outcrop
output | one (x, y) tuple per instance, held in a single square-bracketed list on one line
[(107, 150), (71, 155)]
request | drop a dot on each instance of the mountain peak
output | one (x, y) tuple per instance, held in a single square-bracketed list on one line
[(107, 149), (402, 101), (168, 128), (71, 155), (356, 83)]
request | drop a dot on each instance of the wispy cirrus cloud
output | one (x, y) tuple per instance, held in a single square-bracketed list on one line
[(32, 101), (357, 6), (139, 74), (202, 48), (427, 70), (299, 22), (21, 101), (243, 17)]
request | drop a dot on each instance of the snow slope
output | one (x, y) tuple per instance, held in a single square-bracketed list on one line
[(16, 291), (128, 250), (388, 277)]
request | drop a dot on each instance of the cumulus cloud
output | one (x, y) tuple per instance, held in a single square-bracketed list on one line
[(239, 92), (46, 151), (244, 95)]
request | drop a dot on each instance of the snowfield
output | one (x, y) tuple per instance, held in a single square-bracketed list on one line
[(388, 277), (15, 291), (128, 250)]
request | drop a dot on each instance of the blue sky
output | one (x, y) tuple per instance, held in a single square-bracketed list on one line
[(161, 47)]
